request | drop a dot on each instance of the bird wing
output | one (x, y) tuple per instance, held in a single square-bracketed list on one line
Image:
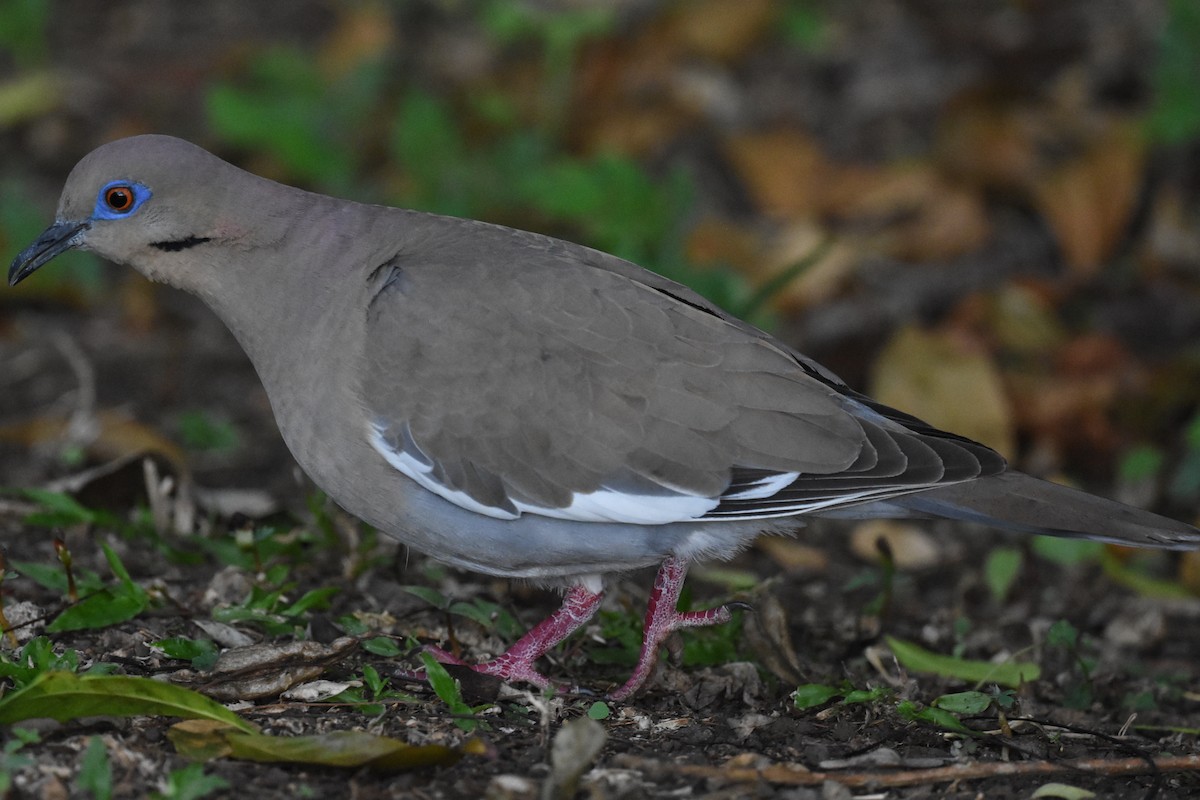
[(512, 373)]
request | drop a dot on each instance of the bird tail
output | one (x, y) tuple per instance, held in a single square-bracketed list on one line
[(1018, 502)]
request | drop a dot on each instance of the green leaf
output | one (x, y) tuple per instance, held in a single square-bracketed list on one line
[(1062, 791), (315, 598), (811, 695), (64, 696), (204, 740), (61, 510), (964, 702), (448, 691), (105, 607), (932, 716), (1066, 551), (866, 695), (95, 772), (190, 783), (1141, 463), (1000, 570), (201, 652), (599, 710), (918, 659), (382, 646), (1175, 118), (205, 432), (431, 596), (1141, 583), (1062, 634)]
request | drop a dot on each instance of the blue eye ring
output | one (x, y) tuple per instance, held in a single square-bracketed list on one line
[(118, 199)]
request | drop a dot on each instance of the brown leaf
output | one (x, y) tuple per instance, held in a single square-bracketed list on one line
[(362, 32), (200, 740), (1088, 201), (115, 437), (910, 210), (784, 171), (947, 379), (718, 29), (990, 141), (911, 547)]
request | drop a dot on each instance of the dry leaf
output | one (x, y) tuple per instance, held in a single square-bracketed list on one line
[(947, 379), (116, 437), (363, 31), (718, 29), (793, 556), (1088, 201), (912, 211), (784, 171), (911, 547), (990, 142)]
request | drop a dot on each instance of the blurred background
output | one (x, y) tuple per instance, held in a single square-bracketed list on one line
[(985, 213)]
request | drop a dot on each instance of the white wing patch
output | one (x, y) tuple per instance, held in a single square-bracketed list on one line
[(766, 487), (423, 474), (604, 505)]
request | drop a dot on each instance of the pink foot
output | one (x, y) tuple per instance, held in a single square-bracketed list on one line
[(662, 619), (516, 663)]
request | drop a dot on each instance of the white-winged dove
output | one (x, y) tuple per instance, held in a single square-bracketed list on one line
[(527, 407)]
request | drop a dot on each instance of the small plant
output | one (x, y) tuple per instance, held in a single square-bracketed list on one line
[(11, 758), (450, 693), (271, 610), (489, 615), (1064, 636), (369, 698), (190, 783), (202, 653), (95, 770), (205, 432), (36, 657), (23, 34)]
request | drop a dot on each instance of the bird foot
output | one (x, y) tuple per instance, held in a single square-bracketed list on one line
[(516, 663), (662, 619)]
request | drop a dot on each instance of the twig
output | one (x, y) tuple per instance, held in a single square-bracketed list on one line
[(791, 774)]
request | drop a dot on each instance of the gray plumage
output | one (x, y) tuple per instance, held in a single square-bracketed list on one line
[(523, 406)]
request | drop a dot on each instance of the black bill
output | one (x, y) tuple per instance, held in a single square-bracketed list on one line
[(58, 238)]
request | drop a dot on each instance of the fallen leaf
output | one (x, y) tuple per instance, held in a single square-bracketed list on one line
[(1089, 200), (717, 29), (911, 547), (918, 659), (793, 556), (990, 141), (66, 696), (784, 170), (362, 32), (204, 741), (948, 379)]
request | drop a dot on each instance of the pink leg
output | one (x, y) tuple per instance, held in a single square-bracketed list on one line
[(516, 663), (662, 618)]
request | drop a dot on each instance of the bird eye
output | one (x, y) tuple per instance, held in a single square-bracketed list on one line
[(120, 199)]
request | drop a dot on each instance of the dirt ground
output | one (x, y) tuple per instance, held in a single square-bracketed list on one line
[(724, 724)]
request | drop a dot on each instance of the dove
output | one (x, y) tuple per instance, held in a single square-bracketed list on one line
[(525, 407)]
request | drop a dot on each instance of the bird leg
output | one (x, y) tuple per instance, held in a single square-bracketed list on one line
[(662, 618), (516, 663)]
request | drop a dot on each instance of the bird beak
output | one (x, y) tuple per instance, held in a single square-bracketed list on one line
[(58, 238)]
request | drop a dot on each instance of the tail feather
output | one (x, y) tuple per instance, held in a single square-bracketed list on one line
[(1018, 502)]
